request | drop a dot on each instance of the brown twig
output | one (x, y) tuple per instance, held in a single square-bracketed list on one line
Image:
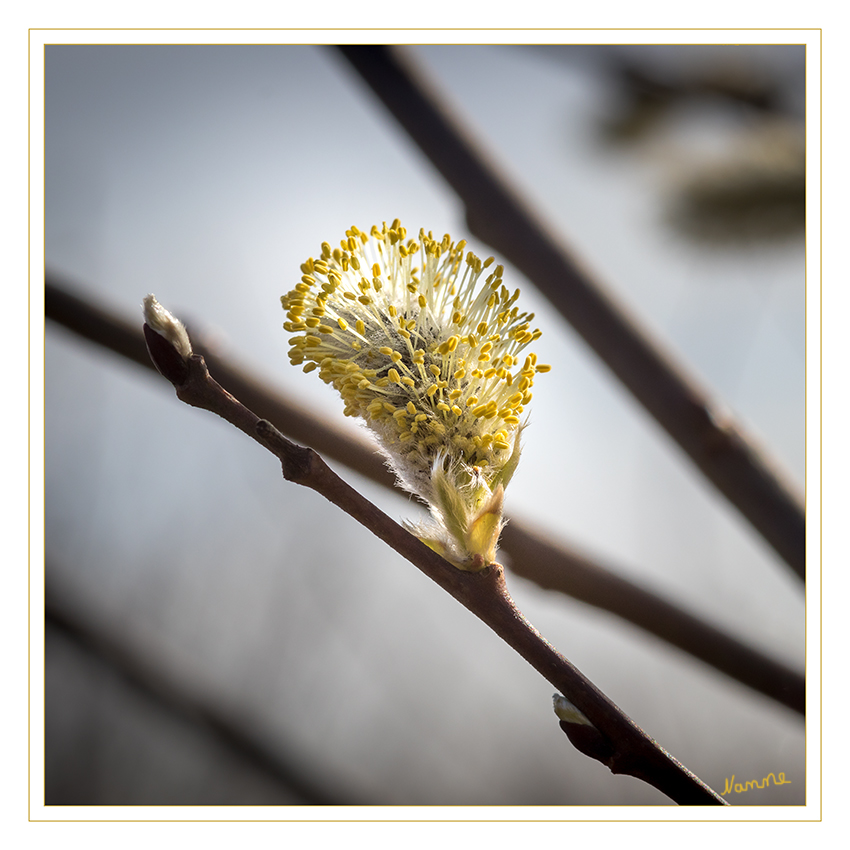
[(533, 556), (618, 742), (497, 214)]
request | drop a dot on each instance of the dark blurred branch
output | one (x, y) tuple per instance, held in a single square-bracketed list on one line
[(146, 678), (499, 215), (649, 93), (619, 743), (555, 567), (566, 570)]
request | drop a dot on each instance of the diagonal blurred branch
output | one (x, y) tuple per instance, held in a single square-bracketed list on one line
[(574, 574), (500, 216), (552, 566), (146, 678)]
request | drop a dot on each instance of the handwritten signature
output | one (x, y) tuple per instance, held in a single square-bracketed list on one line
[(741, 787)]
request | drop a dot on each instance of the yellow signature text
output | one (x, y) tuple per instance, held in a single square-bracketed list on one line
[(741, 787)]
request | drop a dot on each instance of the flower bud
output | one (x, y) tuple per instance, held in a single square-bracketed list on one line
[(427, 353)]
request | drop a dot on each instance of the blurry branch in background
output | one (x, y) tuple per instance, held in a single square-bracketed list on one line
[(145, 677), (499, 215), (532, 556), (757, 190), (648, 94), (604, 732), (754, 189), (557, 567)]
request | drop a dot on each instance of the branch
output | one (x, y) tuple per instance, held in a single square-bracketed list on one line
[(144, 678), (569, 572), (500, 216), (533, 556), (616, 740)]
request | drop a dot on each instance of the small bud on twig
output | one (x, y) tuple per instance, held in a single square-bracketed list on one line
[(567, 712), (583, 735), (167, 340)]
